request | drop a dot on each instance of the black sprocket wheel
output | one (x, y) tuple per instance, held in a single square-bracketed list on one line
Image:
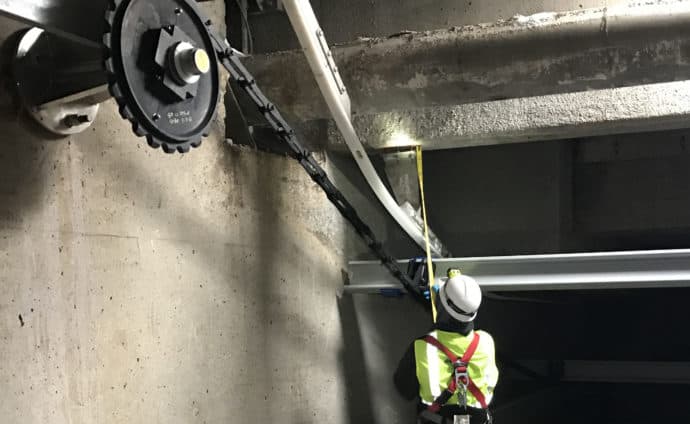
[(141, 38)]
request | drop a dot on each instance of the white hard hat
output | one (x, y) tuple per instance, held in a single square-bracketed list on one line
[(461, 297)]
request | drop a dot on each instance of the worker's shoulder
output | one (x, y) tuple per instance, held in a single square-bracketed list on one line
[(485, 337), (422, 338)]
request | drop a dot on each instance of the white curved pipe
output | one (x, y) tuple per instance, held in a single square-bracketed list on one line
[(326, 73)]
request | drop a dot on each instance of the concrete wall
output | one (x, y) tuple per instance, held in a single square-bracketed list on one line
[(137, 287), (626, 192), (631, 192), (501, 200)]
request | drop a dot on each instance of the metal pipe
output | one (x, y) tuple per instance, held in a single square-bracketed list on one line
[(49, 68), (82, 21)]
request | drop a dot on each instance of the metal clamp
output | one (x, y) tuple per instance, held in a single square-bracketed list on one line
[(462, 380)]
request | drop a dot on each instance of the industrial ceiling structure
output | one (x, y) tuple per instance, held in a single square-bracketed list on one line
[(552, 76)]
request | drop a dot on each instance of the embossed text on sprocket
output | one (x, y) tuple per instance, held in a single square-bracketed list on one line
[(162, 70)]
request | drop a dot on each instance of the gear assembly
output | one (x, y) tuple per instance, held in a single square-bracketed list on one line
[(159, 60), (163, 71)]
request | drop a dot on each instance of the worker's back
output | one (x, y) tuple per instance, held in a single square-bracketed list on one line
[(452, 370), (434, 370)]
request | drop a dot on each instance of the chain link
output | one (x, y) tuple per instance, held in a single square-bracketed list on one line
[(244, 79)]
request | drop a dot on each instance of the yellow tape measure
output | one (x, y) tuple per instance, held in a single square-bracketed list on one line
[(429, 262)]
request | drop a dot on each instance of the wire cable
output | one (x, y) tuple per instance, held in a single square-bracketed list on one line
[(245, 19)]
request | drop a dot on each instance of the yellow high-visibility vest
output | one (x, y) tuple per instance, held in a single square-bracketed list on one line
[(434, 370)]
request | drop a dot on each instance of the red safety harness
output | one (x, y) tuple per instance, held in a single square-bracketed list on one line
[(460, 375)]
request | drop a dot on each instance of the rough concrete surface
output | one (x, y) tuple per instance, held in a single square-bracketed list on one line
[(158, 288), (542, 54), (652, 107), (347, 20), (137, 287)]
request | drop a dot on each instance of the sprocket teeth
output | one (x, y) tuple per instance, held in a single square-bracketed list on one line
[(110, 17), (111, 62), (169, 149), (153, 142), (207, 130), (139, 129), (126, 113), (115, 91), (109, 65)]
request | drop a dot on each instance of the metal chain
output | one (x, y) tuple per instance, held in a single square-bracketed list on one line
[(244, 79)]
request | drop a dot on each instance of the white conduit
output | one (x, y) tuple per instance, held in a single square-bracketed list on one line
[(326, 73)]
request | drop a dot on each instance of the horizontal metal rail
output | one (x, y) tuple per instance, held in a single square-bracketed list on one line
[(579, 271), (635, 372)]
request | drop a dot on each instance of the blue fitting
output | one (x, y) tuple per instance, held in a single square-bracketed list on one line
[(391, 293)]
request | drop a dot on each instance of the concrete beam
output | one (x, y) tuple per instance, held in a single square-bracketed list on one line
[(613, 111), (543, 54)]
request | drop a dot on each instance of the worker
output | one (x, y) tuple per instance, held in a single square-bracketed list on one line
[(452, 370)]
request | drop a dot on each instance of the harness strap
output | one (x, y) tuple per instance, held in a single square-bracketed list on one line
[(464, 361), (438, 345)]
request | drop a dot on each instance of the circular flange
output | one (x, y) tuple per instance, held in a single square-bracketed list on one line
[(142, 34)]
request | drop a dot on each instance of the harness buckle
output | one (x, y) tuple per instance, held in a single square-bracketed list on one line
[(462, 377), (461, 419), (462, 380)]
